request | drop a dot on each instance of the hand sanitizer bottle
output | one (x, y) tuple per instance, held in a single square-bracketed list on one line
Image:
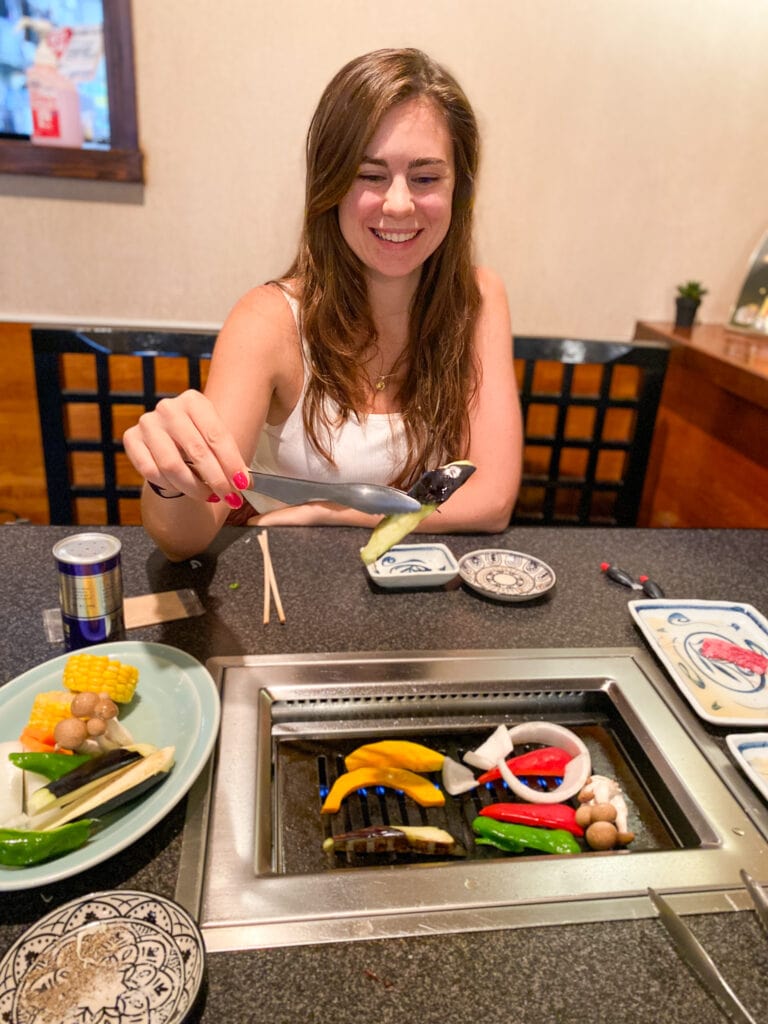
[(53, 97)]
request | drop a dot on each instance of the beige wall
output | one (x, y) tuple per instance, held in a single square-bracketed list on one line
[(625, 150)]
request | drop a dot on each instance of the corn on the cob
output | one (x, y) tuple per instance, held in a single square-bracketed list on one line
[(48, 709), (96, 673)]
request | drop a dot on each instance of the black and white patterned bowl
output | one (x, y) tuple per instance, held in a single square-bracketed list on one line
[(408, 566), (120, 956), (506, 575)]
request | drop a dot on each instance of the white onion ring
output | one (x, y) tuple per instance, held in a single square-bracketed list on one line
[(576, 773)]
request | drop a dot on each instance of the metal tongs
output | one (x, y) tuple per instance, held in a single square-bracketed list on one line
[(692, 953), (375, 498)]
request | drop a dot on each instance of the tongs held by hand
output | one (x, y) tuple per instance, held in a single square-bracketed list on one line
[(375, 498)]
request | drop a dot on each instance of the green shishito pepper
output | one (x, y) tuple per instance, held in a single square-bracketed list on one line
[(21, 847), (514, 838), (52, 765)]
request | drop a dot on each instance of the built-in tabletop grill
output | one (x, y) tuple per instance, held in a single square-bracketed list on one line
[(305, 771), (253, 863)]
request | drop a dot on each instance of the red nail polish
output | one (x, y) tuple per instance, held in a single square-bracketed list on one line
[(213, 499), (233, 500), (240, 480)]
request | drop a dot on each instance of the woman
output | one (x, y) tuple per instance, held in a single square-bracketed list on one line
[(381, 353)]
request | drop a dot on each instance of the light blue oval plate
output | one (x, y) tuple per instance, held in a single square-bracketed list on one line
[(176, 704)]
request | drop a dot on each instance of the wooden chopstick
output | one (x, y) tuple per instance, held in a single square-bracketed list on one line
[(267, 588), (270, 582)]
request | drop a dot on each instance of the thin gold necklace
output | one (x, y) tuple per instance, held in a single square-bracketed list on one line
[(381, 381)]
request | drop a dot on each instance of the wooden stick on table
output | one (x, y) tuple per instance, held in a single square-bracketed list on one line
[(270, 581)]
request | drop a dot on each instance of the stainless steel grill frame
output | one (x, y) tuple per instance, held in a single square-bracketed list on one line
[(230, 874)]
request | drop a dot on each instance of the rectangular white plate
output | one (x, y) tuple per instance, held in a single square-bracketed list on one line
[(750, 752), (408, 566), (719, 691)]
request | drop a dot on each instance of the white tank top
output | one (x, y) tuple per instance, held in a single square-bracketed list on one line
[(368, 450)]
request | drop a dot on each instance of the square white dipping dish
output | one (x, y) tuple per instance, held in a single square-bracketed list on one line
[(412, 566)]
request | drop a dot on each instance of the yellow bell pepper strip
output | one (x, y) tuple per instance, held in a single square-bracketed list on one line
[(549, 761), (517, 838), (544, 815), (395, 754), (21, 847), (419, 789)]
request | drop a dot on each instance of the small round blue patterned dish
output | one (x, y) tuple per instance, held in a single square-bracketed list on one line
[(411, 566), (121, 956), (506, 575)]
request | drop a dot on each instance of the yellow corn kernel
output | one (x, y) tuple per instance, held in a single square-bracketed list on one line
[(48, 709), (96, 673)]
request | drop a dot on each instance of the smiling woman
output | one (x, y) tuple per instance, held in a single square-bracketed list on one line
[(381, 353)]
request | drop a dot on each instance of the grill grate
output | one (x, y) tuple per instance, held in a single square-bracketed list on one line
[(306, 770)]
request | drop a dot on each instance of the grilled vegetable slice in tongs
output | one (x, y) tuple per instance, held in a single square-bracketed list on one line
[(430, 490)]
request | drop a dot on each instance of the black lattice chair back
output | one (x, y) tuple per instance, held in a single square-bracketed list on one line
[(589, 410), (91, 385)]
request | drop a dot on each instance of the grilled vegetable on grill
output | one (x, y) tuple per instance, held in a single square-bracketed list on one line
[(424, 839), (419, 789), (550, 761), (518, 838), (395, 754), (431, 489), (545, 815)]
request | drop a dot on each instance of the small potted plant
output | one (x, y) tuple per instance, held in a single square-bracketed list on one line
[(689, 296)]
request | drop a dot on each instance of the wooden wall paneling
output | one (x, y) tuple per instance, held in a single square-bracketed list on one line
[(22, 474)]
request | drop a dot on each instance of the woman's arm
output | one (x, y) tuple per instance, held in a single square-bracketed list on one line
[(486, 500), (255, 371)]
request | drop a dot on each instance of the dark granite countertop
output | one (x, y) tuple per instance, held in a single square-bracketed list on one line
[(623, 970)]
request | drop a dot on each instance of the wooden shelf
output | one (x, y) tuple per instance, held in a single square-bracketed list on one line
[(709, 465)]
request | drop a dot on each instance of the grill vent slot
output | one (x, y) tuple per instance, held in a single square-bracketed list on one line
[(484, 702)]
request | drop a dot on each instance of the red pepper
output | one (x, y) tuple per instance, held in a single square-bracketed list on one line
[(546, 815), (544, 761)]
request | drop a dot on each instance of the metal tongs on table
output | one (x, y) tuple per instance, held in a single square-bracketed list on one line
[(692, 953)]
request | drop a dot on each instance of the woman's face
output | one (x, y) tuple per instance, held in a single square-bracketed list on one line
[(398, 210)]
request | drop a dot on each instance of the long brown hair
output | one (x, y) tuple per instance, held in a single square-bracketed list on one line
[(335, 315)]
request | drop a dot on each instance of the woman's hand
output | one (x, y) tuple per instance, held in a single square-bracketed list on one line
[(183, 448)]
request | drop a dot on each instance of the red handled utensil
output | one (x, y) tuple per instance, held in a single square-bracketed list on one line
[(649, 587)]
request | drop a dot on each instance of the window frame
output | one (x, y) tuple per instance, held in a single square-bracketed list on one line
[(123, 161)]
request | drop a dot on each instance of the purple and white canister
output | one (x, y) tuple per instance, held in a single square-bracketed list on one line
[(90, 589)]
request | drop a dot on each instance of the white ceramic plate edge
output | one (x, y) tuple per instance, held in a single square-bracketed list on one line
[(735, 741)]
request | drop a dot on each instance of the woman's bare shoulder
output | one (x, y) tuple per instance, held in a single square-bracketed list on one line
[(262, 308), (490, 284)]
